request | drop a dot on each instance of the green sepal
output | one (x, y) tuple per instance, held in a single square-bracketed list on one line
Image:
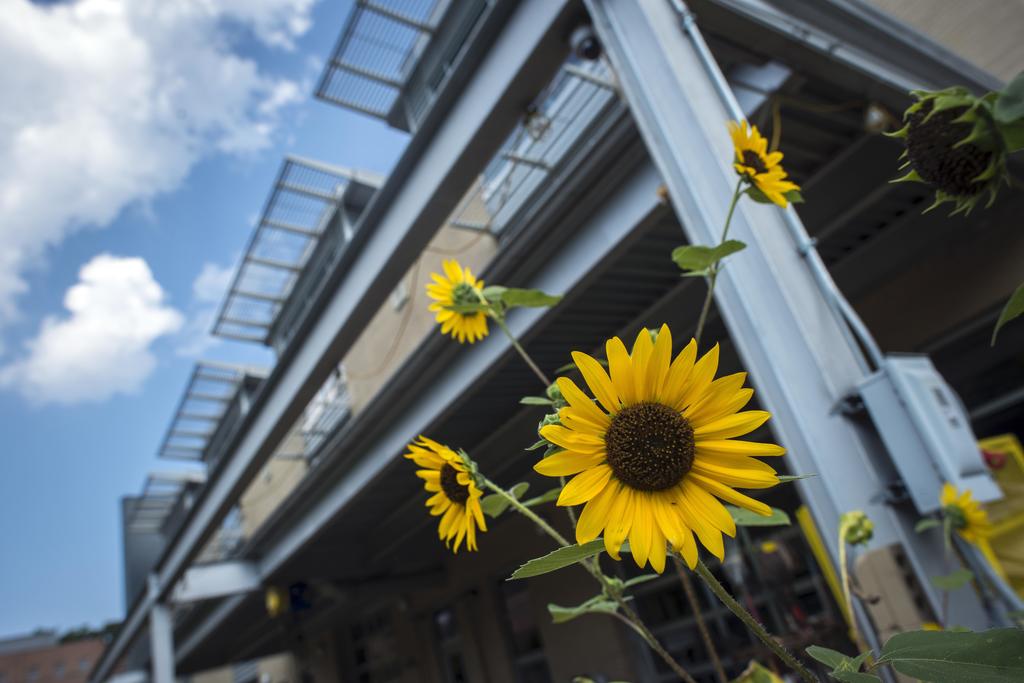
[(1014, 308), (599, 604), (1009, 105), (951, 582), (747, 518)]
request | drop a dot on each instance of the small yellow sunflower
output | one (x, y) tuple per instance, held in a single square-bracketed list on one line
[(761, 168), (965, 513), (656, 452), (456, 496), (457, 287)]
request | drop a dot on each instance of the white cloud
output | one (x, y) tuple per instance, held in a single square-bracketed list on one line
[(212, 283), (102, 346), (111, 102)]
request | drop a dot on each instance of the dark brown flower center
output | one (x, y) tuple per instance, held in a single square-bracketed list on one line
[(463, 294), (649, 446), (754, 161), (456, 492), (930, 147)]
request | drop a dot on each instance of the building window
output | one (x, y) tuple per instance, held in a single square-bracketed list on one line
[(449, 646), (58, 670), (525, 646), (375, 657)]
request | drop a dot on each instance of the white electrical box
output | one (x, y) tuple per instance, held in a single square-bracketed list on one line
[(926, 430)]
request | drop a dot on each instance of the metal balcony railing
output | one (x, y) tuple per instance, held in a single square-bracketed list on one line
[(210, 409), (394, 55), (557, 123), (300, 205)]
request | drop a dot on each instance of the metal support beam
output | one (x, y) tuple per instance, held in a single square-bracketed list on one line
[(439, 163), (787, 327), (217, 580), (395, 16), (161, 638)]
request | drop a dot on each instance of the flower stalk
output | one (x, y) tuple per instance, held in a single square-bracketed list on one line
[(753, 624), (626, 614), (713, 276)]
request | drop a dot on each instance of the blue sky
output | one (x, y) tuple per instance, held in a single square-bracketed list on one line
[(73, 446)]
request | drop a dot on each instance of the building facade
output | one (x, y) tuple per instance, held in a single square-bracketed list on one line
[(44, 657), (569, 146)]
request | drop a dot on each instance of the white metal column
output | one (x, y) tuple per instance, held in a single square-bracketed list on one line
[(781, 309), (161, 639)]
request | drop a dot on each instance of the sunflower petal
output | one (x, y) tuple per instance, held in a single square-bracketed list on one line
[(641, 355), (580, 401), (641, 531), (730, 495), (573, 441), (679, 374), (658, 551), (594, 517), (620, 519), (736, 448), (621, 370), (567, 463), (585, 485), (598, 380), (700, 379), (658, 364), (731, 426)]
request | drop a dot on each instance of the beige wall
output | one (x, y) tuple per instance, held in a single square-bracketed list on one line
[(987, 33), (396, 331), (273, 484)]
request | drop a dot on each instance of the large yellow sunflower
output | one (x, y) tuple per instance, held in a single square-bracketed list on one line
[(656, 452), (761, 168), (456, 496), (457, 287), (968, 517)]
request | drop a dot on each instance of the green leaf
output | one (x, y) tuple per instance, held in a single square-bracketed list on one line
[(519, 489), (951, 582), (1010, 102), (747, 518), (494, 292), (528, 297), (534, 401), (1014, 307), (760, 197), (643, 578), (540, 444), (757, 673), (926, 524), (995, 656), (493, 505), (545, 497), (697, 258), (794, 197), (786, 478), (563, 557), (854, 677), (596, 605), (1012, 134), (833, 659)]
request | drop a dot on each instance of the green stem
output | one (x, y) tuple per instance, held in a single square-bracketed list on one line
[(844, 578), (698, 617), (753, 624), (628, 615), (499, 320), (706, 308)]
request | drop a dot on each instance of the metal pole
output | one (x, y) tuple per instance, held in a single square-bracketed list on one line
[(792, 332), (161, 638)]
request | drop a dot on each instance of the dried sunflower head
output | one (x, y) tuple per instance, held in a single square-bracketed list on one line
[(953, 144)]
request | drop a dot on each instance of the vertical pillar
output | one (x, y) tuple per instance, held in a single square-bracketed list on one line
[(789, 322), (161, 638)]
